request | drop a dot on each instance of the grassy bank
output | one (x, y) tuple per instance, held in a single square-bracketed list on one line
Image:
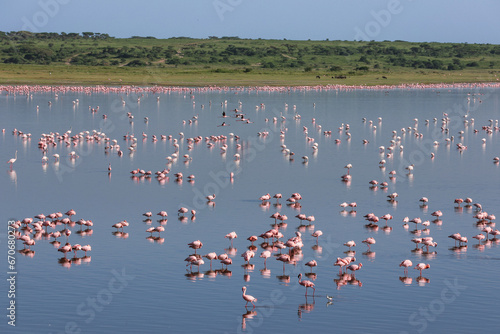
[(98, 59), (92, 75)]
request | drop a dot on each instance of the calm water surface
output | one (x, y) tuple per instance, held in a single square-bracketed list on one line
[(133, 284)]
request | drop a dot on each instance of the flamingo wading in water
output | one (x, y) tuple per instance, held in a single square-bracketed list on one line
[(11, 161), (306, 283), (248, 298)]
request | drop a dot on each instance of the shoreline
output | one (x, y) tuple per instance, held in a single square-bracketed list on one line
[(28, 89)]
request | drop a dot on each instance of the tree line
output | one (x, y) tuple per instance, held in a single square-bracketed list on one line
[(97, 49)]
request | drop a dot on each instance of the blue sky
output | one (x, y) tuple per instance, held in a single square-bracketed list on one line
[(471, 21)]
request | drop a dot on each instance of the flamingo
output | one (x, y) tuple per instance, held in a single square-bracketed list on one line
[(182, 211), (76, 247), (317, 234), (312, 264), (386, 217), (422, 266), (456, 237), (277, 196), (369, 241), (210, 256), (348, 166), (353, 267), (162, 213), (86, 249), (66, 248), (285, 258), (248, 298), (70, 213), (265, 197), (226, 261), (231, 236), (11, 161), (266, 254), (252, 238), (306, 283), (247, 256), (350, 244), (197, 244), (406, 263)]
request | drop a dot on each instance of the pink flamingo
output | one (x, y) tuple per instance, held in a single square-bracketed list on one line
[(162, 214), (76, 247), (182, 211), (248, 298), (231, 236), (285, 258), (248, 255), (265, 197), (266, 254), (311, 264), (210, 256), (353, 267), (437, 213), (317, 234), (422, 266), (227, 261), (252, 238), (277, 196), (306, 283), (86, 249), (11, 161), (66, 248), (348, 166), (387, 217), (197, 244), (369, 241), (406, 264), (456, 237), (350, 244), (70, 213)]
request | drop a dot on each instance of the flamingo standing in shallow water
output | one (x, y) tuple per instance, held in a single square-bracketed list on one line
[(66, 248), (353, 267), (406, 264), (312, 264), (317, 234), (197, 244), (211, 256), (350, 244), (248, 298), (86, 249), (369, 241), (266, 254), (422, 266), (11, 161), (306, 283), (231, 236)]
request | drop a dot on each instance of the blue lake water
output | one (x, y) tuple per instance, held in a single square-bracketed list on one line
[(132, 283)]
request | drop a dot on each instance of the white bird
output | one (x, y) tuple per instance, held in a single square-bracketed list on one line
[(11, 161)]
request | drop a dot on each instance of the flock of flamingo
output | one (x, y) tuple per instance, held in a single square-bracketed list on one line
[(31, 229), (273, 240)]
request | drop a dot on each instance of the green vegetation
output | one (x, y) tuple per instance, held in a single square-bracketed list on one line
[(94, 58)]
